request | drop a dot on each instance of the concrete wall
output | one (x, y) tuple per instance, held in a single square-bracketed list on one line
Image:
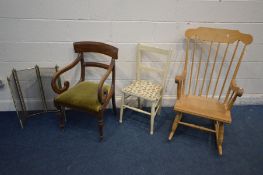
[(42, 31)]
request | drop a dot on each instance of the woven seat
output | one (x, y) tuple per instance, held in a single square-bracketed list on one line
[(144, 89)]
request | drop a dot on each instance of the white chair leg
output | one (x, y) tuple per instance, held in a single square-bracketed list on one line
[(160, 106), (139, 102), (122, 107), (152, 118)]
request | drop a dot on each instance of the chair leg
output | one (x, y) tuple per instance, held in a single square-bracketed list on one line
[(152, 118), (113, 100), (219, 136), (139, 102), (160, 106), (100, 124), (61, 116), (176, 121), (122, 107)]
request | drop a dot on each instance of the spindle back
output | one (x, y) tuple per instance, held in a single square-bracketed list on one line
[(212, 60)]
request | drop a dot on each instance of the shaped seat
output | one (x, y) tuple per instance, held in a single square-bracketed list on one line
[(147, 89), (92, 97), (207, 87), (203, 107)]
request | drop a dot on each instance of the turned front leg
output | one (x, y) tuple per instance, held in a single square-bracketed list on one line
[(100, 125), (61, 115), (219, 136)]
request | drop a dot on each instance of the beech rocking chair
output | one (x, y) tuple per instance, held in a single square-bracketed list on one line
[(213, 57)]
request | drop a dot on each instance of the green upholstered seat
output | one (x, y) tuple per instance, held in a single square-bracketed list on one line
[(84, 95)]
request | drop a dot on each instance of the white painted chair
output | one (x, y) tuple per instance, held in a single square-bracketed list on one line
[(144, 89)]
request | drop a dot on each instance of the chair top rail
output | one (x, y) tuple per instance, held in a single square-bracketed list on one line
[(218, 35), (97, 47), (157, 50), (146, 68)]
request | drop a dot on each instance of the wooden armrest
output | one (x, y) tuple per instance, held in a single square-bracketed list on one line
[(180, 78), (239, 91), (101, 83), (61, 71)]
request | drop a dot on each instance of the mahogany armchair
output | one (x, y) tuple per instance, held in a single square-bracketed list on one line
[(86, 95)]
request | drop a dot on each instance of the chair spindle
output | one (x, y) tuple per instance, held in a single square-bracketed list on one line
[(228, 70), (207, 63), (220, 70), (211, 76)]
